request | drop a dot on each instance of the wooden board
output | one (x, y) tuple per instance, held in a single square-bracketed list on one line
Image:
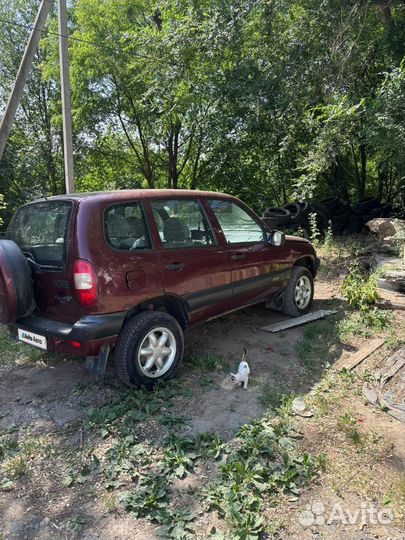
[(351, 361), (284, 325)]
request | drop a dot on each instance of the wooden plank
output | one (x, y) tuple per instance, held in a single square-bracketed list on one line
[(394, 364), (284, 325), (355, 359)]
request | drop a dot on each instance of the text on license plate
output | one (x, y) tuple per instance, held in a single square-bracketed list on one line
[(32, 339)]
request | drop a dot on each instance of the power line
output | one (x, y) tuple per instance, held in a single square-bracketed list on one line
[(80, 40)]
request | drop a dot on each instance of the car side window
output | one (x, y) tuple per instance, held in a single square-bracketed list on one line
[(125, 227), (236, 224), (182, 223)]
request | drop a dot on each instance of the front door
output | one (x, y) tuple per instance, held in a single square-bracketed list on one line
[(193, 264), (258, 268)]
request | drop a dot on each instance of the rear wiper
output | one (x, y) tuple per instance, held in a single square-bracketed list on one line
[(30, 259)]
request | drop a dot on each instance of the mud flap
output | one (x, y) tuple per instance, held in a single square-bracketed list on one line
[(97, 364)]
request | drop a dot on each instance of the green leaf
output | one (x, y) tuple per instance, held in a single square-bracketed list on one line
[(6, 484)]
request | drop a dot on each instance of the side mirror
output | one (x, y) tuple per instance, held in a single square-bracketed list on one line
[(276, 238)]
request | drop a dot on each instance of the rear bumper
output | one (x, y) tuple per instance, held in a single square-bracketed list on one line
[(83, 338)]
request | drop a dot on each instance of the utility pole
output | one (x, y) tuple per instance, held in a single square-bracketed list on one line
[(22, 74), (66, 101)]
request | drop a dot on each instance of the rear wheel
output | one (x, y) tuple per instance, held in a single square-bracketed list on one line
[(299, 293), (149, 349)]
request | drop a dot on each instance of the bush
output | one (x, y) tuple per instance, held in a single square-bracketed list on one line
[(359, 289)]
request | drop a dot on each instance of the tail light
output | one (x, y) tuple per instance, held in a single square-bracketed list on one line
[(85, 283)]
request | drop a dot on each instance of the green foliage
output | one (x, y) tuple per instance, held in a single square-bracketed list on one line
[(207, 362), (328, 238), (148, 499), (260, 100), (260, 464), (314, 234), (176, 523), (346, 424), (359, 289), (261, 461)]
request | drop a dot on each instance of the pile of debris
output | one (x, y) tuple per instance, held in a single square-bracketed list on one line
[(343, 217)]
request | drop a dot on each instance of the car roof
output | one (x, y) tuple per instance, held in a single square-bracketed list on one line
[(127, 194)]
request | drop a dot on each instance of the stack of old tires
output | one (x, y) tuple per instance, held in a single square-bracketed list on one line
[(340, 215), (291, 216)]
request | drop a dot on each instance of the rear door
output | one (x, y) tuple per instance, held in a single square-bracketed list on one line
[(193, 263), (258, 268), (44, 232)]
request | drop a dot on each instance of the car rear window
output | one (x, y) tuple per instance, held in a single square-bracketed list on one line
[(40, 230), (125, 227)]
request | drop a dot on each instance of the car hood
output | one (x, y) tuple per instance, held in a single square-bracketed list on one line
[(296, 239)]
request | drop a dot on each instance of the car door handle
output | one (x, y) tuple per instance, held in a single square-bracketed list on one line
[(175, 266), (238, 256)]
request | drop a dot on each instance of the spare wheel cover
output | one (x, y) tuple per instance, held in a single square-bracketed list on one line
[(8, 293)]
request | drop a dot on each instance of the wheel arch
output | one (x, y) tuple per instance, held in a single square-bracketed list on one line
[(171, 304), (307, 262)]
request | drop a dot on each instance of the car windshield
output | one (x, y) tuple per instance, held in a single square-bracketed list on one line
[(40, 231)]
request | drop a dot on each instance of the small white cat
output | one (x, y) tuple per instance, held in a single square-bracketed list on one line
[(243, 372)]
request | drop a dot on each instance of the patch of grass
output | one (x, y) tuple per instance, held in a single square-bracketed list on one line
[(15, 454), (173, 421), (150, 497), (15, 467), (352, 325), (176, 523), (206, 361), (393, 341), (15, 352), (346, 424), (273, 395), (110, 501), (207, 382), (8, 345), (77, 522), (314, 348), (259, 464), (365, 324)]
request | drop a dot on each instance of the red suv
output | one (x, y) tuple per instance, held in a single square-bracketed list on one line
[(131, 270)]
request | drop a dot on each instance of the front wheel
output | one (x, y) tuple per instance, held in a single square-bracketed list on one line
[(149, 349), (299, 293)]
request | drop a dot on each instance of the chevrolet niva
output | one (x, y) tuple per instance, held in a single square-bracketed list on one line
[(129, 271)]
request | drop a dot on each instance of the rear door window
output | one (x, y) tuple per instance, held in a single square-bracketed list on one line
[(125, 227), (41, 230)]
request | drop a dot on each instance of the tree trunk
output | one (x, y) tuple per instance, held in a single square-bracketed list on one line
[(173, 151), (363, 158), (340, 184), (385, 12)]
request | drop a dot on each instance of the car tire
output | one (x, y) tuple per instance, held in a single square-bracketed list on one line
[(131, 365), (322, 210), (282, 215), (366, 204), (332, 203), (295, 210), (270, 222), (16, 290), (294, 304)]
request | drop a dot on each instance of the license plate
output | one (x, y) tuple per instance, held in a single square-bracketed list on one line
[(31, 338)]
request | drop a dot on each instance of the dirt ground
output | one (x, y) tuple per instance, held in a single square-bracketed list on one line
[(44, 401)]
